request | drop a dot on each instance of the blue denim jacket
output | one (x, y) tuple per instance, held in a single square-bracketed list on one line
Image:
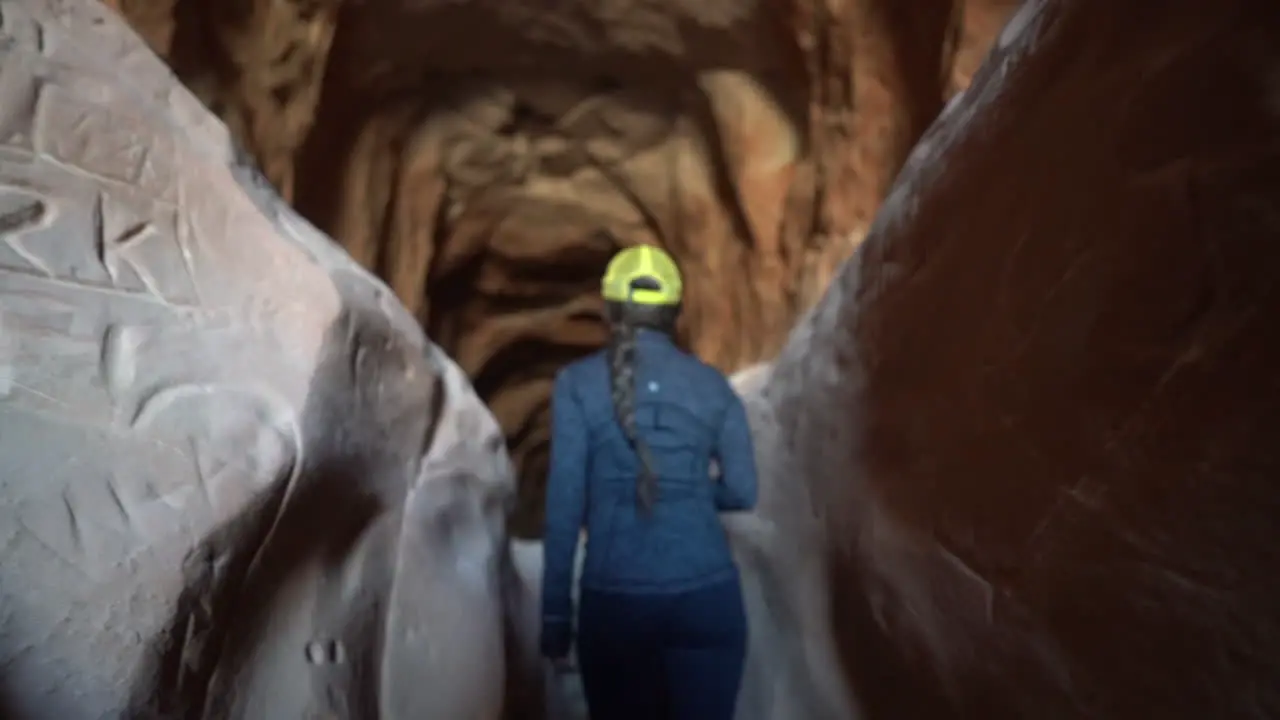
[(689, 415)]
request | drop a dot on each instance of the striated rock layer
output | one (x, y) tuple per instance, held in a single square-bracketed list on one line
[(235, 478), (486, 158), (1037, 411)]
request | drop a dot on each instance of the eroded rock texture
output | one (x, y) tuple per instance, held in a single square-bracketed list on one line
[(486, 158), (1037, 411), (235, 478)]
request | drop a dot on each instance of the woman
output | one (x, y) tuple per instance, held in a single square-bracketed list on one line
[(635, 429)]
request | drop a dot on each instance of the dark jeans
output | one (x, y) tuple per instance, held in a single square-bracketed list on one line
[(651, 657)]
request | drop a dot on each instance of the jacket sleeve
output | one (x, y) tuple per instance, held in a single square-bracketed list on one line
[(736, 451), (566, 503)]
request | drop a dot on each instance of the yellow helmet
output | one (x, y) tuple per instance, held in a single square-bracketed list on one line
[(644, 275)]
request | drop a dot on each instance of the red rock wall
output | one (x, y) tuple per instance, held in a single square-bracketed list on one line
[(1038, 410)]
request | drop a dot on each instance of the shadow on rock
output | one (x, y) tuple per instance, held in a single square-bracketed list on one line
[(312, 515)]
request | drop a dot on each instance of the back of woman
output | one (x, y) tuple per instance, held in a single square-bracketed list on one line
[(635, 431)]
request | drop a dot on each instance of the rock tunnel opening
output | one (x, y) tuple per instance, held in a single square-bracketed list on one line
[(486, 160), (538, 184)]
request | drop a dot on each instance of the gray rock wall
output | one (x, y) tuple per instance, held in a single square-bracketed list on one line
[(236, 478)]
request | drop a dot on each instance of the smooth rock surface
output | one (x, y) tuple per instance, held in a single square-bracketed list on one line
[(1037, 412), (235, 478), (793, 667)]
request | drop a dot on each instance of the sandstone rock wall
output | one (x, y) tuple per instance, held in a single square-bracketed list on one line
[(1037, 410), (486, 158), (236, 480)]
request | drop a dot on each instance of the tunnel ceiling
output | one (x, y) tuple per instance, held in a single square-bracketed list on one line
[(487, 157)]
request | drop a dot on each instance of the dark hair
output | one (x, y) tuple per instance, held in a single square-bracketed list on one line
[(625, 320)]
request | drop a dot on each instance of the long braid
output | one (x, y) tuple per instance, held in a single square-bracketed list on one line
[(622, 381)]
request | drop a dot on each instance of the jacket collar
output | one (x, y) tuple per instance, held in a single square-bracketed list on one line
[(653, 337)]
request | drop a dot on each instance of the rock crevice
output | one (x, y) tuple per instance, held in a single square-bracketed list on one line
[(486, 159)]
